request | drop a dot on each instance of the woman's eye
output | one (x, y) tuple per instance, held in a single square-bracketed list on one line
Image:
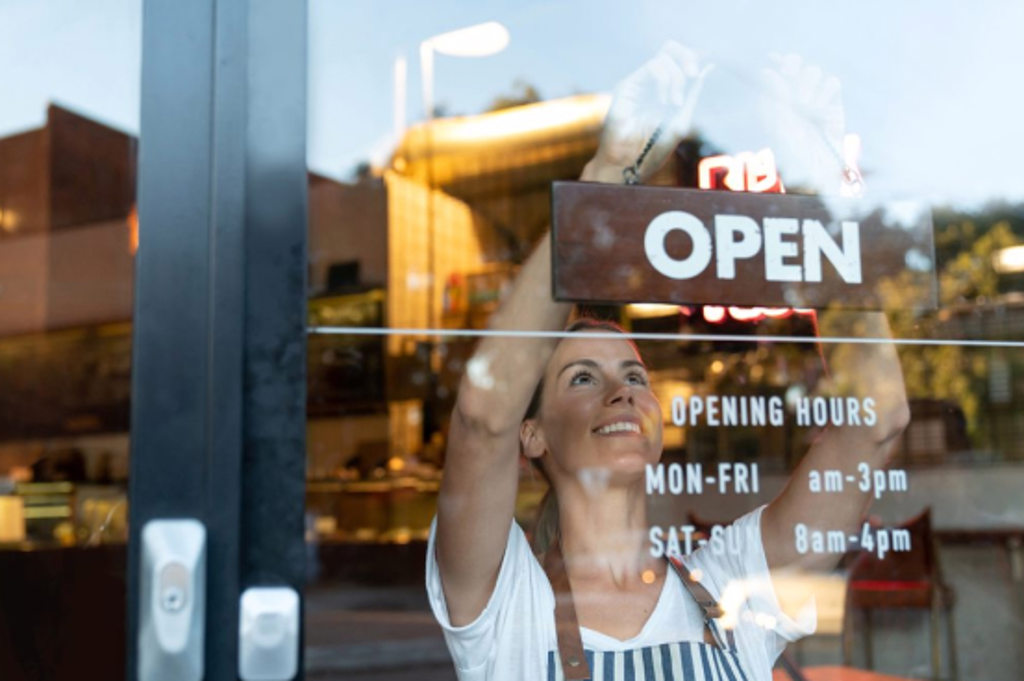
[(581, 378), (636, 379)]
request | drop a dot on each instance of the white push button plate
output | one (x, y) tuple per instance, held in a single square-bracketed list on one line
[(268, 634)]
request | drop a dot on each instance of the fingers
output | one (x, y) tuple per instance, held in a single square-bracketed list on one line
[(679, 122), (660, 95), (777, 90), (788, 65), (685, 59), (662, 81), (803, 107), (792, 77), (681, 72), (680, 79)]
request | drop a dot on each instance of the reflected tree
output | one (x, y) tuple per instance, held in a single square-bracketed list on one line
[(967, 280), (521, 93)]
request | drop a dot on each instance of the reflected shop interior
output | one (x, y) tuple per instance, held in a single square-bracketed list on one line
[(409, 254)]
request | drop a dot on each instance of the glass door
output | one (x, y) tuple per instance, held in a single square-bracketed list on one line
[(435, 143)]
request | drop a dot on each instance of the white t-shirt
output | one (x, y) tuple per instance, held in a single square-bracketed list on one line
[(511, 638)]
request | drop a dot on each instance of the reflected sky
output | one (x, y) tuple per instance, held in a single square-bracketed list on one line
[(931, 87)]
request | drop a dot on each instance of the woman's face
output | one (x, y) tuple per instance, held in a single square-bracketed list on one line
[(597, 410)]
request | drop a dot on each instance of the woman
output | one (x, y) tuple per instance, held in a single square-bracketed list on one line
[(593, 428)]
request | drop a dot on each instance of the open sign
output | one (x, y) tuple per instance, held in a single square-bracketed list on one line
[(618, 244)]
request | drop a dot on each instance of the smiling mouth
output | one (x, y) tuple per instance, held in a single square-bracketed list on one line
[(619, 427)]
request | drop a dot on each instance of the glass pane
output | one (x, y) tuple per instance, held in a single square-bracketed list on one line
[(68, 235), (872, 401)]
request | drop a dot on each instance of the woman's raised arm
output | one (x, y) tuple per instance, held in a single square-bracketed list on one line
[(805, 108), (863, 369), (478, 492)]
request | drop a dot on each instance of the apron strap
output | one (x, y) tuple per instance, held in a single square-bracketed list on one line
[(708, 605), (567, 628)]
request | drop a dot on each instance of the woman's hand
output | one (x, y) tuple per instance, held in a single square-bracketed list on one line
[(802, 106), (659, 96)]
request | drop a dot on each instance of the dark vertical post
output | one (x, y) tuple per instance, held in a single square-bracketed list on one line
[(171, 353), (218, 391), (274, 470)]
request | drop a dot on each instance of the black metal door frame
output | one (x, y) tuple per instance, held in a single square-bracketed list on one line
[(218, 386)]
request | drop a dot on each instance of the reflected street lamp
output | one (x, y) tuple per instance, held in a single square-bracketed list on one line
[(479, 40)]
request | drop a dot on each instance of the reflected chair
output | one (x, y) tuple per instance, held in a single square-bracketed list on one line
[(902, 580)]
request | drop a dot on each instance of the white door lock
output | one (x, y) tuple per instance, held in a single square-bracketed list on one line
[(172, 603)]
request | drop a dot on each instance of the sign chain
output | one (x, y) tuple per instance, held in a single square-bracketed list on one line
[(631, 174)]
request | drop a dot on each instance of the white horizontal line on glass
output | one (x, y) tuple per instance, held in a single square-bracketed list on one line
[(717, 337)]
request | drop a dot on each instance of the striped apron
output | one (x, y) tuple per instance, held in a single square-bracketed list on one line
[(713, 659)]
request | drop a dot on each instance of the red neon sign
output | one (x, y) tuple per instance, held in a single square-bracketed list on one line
[(717, 314), (745, 172)]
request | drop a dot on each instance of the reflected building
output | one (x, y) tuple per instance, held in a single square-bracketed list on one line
[(67, 192)]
